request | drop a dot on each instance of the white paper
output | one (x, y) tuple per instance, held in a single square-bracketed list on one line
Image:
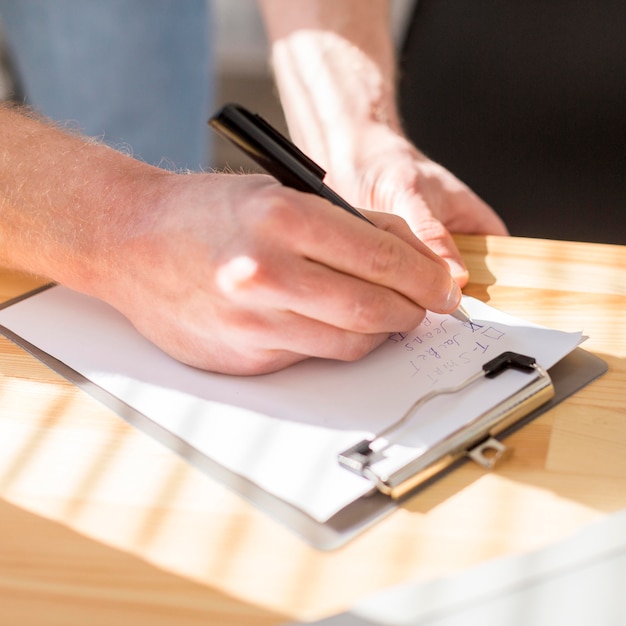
[(283, 431)]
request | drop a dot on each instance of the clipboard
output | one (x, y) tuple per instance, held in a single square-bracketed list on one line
[(481, 440)]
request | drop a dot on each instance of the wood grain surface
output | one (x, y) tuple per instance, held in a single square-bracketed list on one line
[(101, 525)]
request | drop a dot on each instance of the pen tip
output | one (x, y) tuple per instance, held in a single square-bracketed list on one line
[(461, 314)]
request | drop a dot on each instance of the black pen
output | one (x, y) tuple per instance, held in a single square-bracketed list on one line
[(282, 159)]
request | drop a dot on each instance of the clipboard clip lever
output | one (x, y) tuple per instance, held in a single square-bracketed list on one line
[(373, 458)]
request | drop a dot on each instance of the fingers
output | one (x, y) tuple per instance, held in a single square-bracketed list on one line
[(434, 238), (320, 293), (465, 212), (292, 338), (327, 285), (399, 227), (256, 343), (391, 258), (438, 238)]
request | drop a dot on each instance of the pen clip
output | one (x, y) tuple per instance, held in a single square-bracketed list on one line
[(268, 148)]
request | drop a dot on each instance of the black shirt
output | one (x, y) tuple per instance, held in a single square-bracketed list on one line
[(526, 103)]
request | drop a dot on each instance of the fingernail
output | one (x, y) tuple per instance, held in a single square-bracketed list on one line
[(454, 297)]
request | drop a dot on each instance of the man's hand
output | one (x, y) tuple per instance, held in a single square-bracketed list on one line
[(231, 273), (238, 274)]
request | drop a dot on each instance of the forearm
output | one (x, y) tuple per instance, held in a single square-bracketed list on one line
[(335, 70), (334, 63), (65, 201)]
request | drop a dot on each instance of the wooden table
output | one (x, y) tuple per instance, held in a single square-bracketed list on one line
[(101, 525)]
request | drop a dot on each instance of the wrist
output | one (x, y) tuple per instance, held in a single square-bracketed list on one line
[(104, 257), (66, 202)]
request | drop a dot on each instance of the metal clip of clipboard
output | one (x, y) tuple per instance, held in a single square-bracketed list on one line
[(475, 439)]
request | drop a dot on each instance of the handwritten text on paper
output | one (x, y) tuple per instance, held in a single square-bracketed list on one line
[(441, 345)]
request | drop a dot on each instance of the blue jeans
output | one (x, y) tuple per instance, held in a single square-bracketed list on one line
[(137, 73)]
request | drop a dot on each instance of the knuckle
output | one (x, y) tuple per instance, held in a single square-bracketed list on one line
[(384, 312), (278, 214), (370, 313), (360, 346), (432, 231), (253, 274), (235, 275), (385, 259)]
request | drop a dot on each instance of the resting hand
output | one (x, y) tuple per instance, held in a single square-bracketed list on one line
[(335, 65), (389, 174)]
